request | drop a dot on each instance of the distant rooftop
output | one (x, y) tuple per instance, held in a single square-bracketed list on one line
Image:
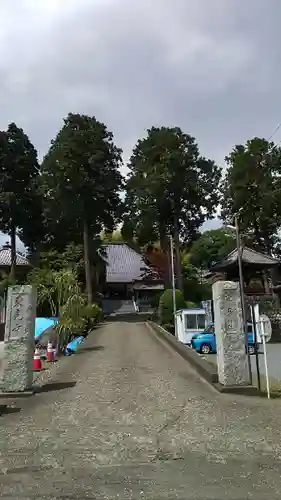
[(250, 257), (124, 265), (5, 258)]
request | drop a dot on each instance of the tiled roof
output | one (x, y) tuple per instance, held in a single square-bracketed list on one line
[(123, 264), (5, 258), (249, 256)]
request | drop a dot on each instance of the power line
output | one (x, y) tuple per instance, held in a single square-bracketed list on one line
[(275, 130)]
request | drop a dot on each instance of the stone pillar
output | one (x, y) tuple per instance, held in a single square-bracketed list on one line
[(19, 339), (230, 338)]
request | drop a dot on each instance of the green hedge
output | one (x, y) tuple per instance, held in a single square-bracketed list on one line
[(166, 310)]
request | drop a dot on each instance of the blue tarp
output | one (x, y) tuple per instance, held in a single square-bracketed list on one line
[(41, 324), (73, 345)]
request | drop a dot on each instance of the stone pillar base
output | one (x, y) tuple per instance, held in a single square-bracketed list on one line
[(233, 369), (17, 365)]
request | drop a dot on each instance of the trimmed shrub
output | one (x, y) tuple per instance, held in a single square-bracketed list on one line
[(166, 310), (191, 305)]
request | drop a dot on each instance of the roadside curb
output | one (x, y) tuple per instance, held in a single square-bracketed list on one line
[(205, 369)]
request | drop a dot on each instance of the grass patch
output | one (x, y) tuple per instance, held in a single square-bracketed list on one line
[(274, 385)]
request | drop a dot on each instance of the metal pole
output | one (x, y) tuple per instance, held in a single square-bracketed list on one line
[(265, 359), (173, 283), (242, 296), (254, 323)]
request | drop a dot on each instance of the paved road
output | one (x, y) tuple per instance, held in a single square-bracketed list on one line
[(131, 421), (273, 360)]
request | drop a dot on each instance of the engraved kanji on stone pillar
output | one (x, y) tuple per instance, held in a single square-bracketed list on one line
[(232, 358), (19, 339)]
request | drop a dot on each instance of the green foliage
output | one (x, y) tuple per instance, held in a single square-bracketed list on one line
[(171, 189), (6, 281), (80, 181), (78, 318), (191, 305), (20, 202), (62, 291), (165, 310), (155, 299), (210, 247), (71, 319), (252, 190), (70, 258), (269, 306), (55, 287), (92, 315), (44, 281), (169, 180), (195, 288), (111, 237)]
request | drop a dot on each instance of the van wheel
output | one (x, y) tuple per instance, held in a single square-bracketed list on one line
[(205, 349)]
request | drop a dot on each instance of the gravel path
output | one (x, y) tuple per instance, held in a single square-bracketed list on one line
[(126, 418)]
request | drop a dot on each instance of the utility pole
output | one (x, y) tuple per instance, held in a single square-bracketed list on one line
[(173, 283), (242, 295)]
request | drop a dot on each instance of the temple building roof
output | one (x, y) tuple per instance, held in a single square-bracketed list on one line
[(249, 257)]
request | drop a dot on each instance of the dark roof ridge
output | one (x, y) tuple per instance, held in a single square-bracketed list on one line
[(5, 255), (124, 243), (262, 254)]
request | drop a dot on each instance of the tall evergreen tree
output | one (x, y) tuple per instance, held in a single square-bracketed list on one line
[(171, 189), (20, 202), (81, 182), (252, 189)]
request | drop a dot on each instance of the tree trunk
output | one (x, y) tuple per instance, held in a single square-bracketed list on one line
[(164, 244), (13, 252), (257, 236), (178, 269), (88, 274)]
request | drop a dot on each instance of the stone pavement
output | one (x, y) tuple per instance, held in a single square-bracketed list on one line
[(126, 418)]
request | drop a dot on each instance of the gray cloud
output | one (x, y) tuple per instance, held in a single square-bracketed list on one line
[(212, 68)]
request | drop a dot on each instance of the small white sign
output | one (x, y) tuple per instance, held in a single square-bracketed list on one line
[(265, 328), (263, 325)]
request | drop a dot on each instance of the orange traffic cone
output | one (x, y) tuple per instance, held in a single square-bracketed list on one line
[(50, 352), (37, 363)]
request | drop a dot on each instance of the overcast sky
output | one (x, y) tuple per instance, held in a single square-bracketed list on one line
[(211, 67)]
